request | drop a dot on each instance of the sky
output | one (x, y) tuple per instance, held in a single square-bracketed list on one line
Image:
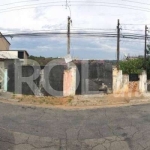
[(87, 15)]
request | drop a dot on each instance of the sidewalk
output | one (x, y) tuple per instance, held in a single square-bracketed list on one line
[(79, 101), (110, 99)]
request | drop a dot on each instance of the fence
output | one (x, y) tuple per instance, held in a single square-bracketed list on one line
[(92, 77)]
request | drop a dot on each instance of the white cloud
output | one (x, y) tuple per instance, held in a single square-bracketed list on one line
[(55, 17)]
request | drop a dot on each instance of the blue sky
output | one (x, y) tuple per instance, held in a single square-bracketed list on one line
[(84, 17)]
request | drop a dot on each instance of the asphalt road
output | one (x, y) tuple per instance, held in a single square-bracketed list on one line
[(30, 128)]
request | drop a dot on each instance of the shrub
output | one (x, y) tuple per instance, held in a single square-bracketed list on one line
[(132, 66)]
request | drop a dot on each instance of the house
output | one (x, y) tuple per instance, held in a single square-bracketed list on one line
[(7, 58), (7, 54), (21, 55), (4, 43)]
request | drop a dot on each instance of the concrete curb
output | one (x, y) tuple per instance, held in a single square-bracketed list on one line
[(133, 102)]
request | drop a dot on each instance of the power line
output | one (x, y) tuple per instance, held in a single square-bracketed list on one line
[(16, 3), (94, 2), (44, 5), (75, 28), (136, 2), (24, 6), (131, 8), (87, 34), (84, 29), (132, 30), (135, 24), (126, 40), (7, 4)]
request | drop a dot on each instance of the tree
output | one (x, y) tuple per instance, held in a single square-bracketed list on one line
[(41, 60), (132, 66), (148, 49)]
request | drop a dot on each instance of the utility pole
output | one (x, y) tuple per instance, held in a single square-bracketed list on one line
[(118, 43), (68, 35), (145, 49), (68, 40)]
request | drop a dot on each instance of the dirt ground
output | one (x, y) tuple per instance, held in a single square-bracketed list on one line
[(45, 100), (103, 100), (80, 100)]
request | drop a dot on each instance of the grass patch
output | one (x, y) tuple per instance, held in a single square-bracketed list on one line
[(45, 100)]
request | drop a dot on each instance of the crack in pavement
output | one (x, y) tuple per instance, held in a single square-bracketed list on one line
[(99, 129)]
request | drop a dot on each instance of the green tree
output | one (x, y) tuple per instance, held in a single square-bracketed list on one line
[(132, 66), (41, 60), (148, 49)]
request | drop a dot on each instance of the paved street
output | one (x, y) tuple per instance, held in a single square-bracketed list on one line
[(30, 128)]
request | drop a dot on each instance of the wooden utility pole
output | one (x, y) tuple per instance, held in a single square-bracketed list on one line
[(118, 43), (68, 35), (145, 49)]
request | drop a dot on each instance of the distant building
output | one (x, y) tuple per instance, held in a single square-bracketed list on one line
[(14, 54), (133, 57), (4, 43), (7, 58), (7, 54)]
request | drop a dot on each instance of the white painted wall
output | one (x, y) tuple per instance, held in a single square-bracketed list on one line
[(121, 82), (9, 54), (143, 82)]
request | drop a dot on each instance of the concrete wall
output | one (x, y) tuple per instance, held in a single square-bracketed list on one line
[(25, 55), (121, 83), (2, 69), (54, 78), (9, 54), (13, 54), (143, 82), (25, 59), (69, 82), (92, 75), (117, 80)]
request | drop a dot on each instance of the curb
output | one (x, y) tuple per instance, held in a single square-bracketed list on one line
[(133, 102)]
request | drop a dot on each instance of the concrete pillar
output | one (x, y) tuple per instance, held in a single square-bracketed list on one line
[(5, 79), (143, 82), (125, 83), (117, 80), (69, 82)]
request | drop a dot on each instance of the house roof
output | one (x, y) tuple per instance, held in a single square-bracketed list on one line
[(5, 54), (21, 51), (5, 38)]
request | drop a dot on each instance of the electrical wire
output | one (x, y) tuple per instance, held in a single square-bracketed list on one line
[(44, 5), (98, 2), (93, 2), (132, 30), (75, 28), (17, 2), (126, 40), (136, 2), (78, 2), (102, 34), (134, 24), (26, 6)]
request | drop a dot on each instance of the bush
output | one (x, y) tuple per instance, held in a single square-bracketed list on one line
[(133, 66)]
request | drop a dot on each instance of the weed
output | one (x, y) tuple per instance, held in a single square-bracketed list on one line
[(20, 100), (69, 100)]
